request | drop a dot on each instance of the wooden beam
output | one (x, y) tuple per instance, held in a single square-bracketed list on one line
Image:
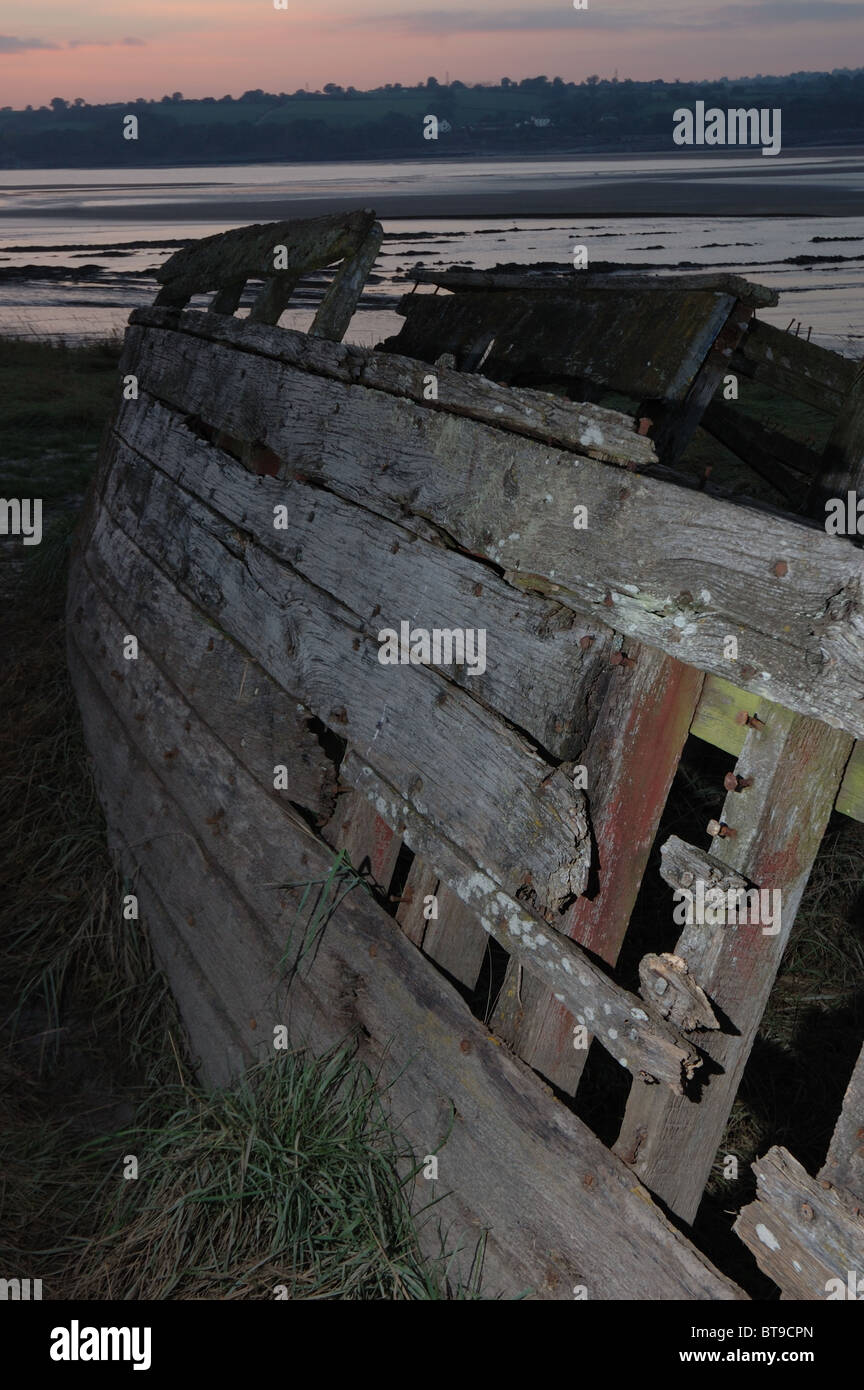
[(630, 759), (719, 720), (775, 829), (577, 281), (631, 1031)]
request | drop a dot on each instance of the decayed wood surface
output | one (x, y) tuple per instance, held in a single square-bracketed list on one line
[(669, 567), (512, 1153), (436, 743), (807, 1238), (579, 280), (796, 766), (457, 794), (844, 1166), (631, 758), (647, 345), (590, 429), (627, 1026), (795, 367)]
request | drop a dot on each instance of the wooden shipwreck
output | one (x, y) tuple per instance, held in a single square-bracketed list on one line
[(329, 843)]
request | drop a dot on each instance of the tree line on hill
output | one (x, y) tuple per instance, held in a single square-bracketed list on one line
[(535, 115)]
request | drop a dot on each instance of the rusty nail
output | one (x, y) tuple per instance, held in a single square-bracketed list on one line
[(588, 1180), (807, 1211), (716, 827), (586, 642), (781, 568), (465, 1045), (733, 783)]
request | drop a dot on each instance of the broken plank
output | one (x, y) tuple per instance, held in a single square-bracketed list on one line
[(809, 1240), (641, 724), (539, 656), (631, 1031), (669, 567)]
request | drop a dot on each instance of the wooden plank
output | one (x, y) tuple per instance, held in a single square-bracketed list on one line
[(632, 1030), (646, 345), (511, 1152), (631, 758), (369, 843), (578, 280), (808, 1240), (453, 938), (844, 1165), (243, 706), (669, 567), (590, 429), (445, 751), (719, 720), (777, 824), (775, 457), (795, 367)]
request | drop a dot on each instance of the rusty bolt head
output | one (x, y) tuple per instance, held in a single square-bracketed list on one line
[(719, 828), (465, 1045), (807, 1211), (733, 783), (751, 720), (781, 568)]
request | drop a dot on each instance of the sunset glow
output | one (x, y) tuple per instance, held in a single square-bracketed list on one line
[(109, 51)]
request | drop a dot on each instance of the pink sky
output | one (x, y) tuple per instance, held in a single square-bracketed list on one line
[(112, 51)]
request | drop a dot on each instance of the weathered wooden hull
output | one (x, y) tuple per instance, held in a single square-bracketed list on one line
[(250, 641)]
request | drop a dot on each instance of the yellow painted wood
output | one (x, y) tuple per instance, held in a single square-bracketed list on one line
[(714, 722)]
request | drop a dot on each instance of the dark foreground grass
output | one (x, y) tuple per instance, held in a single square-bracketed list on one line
[(291, 1179)]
